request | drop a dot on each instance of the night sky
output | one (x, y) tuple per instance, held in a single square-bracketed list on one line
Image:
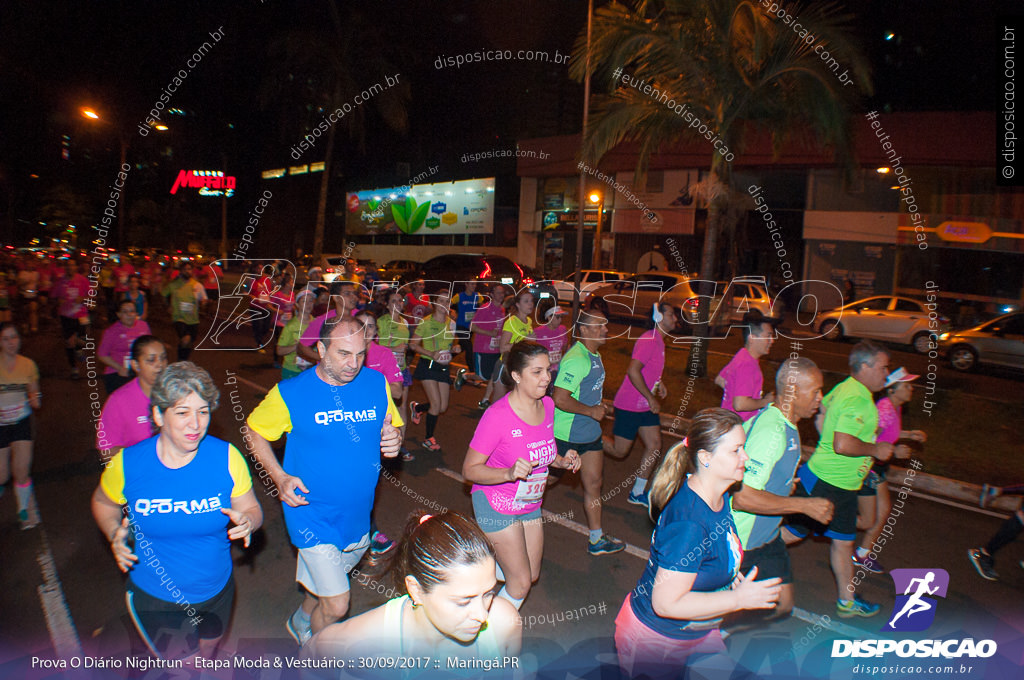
[(118, 56)]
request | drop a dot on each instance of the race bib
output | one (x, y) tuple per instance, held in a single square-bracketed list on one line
[(531, 489), (444, 357), (555, 357), (494, 343), (300, 362), (185, 307), (469, 316), (399, 357)]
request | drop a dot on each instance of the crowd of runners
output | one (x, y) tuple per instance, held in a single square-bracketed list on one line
[(726, 501)]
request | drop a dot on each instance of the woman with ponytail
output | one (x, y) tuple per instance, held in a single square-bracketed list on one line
[(692, 578), (445, 567)]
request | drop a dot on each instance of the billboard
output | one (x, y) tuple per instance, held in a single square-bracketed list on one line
[(457, 207)]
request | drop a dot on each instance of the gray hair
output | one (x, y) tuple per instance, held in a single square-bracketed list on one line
[(181, 379), (864, 353), (790, 371)]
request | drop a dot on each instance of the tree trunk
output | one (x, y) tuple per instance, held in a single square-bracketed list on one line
[(697, 361), (325, 183)]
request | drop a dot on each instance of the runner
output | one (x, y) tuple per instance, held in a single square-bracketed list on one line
[(841, 461), (393, 333), (517, 327), (874, 501), (693, 577), (637, 403), (344, 297), (28, 287), (446, 567), (116, 344), (19, 395), (554, 336), (137, 297), (335, 408), (741, 379), (71, 291), (433, 342), (417, 305), (465, 305), (263, 288), (122, 272), (185, 299), (578, 416), (292, 364), (177, 495), (983, 559), (508, 461), (773, 448), (126, 418), (486, 327), (211, 275)]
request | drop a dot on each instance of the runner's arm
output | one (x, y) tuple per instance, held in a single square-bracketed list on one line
[(564, 401)]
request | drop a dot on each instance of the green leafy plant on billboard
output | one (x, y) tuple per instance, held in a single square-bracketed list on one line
[(410, 217)]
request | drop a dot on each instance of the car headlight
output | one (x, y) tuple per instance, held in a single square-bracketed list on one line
[(944, 336)]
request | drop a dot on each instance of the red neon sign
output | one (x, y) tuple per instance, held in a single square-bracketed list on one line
[(209, 182)]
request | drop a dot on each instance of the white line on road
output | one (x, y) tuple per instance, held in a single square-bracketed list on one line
[(55, 607)]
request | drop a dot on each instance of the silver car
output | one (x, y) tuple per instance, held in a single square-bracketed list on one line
[(884, 317), (999, 342)]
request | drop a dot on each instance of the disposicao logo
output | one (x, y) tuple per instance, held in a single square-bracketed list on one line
[(914, 610)]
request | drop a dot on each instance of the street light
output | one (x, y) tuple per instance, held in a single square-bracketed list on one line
[(123, 138), (598, 200)]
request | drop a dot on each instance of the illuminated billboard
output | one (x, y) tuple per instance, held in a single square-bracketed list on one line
[(458, 207)]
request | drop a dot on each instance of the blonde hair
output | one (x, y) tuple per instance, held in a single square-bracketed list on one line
[(706, 429)]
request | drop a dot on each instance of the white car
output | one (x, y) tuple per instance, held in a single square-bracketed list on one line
[(589, 280), (883, 317)]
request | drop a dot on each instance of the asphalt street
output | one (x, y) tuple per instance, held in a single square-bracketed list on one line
[(61, 588)]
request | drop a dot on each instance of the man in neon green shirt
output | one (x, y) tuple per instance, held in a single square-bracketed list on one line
[(840, 463)]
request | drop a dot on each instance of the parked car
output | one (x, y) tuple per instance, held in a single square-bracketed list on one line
[(883, 317), (589, 280), (399, 270), (999, 342), (478, 267), (634, 297)]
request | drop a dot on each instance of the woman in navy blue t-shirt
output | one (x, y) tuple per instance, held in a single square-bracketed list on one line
[(692, 578)]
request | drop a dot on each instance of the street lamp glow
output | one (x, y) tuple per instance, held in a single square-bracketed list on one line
[(882, 171), (595, 197), (89, 113), (160, 126)]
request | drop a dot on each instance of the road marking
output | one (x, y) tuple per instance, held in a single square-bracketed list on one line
[(62, 630)]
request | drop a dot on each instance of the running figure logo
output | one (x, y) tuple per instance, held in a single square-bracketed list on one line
[(914, 610)]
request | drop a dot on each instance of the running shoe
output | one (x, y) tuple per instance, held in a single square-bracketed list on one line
[(29, 517), (639, 499), (983, 564), (847, 609), (380, 544), (300, 633), (414, 414), (988, 494), (431, 444), (407, 455), (868, 564), (460, 379), (606, 545), (483, 404)]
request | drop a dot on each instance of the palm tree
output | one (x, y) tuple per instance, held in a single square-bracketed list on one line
[(737, 70), (320, 72)]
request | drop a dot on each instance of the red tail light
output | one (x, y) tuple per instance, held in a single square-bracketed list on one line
[(527, 280)]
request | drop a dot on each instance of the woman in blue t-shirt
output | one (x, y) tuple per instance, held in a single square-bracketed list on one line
[(182, 497), (692, 578)]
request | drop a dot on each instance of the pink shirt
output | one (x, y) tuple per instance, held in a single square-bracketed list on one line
[(125, 418), (649, 350), (504, 437), (489, 317), (382, 360), (889, 421), (67, 291), (122, 273), (117, 342), (554, 339), (743, 378)]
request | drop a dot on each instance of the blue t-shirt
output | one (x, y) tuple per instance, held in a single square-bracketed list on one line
[(689, 538), (466, 305), (334, 435), (181, 535)]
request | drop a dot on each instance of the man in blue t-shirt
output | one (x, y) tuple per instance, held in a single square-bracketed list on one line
[(773, 445), (339, 419), (464, 305)]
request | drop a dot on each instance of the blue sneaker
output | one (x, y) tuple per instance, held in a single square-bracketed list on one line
[(988, 494), (846, 609), (606, 545), (639, 499)]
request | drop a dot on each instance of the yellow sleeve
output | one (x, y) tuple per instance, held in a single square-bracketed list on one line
[(396, 417), (271, 419), (112, 479), (239, 472)]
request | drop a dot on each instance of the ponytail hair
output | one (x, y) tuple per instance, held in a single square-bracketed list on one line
[(518, 359), (706, 429), (433, 545)]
